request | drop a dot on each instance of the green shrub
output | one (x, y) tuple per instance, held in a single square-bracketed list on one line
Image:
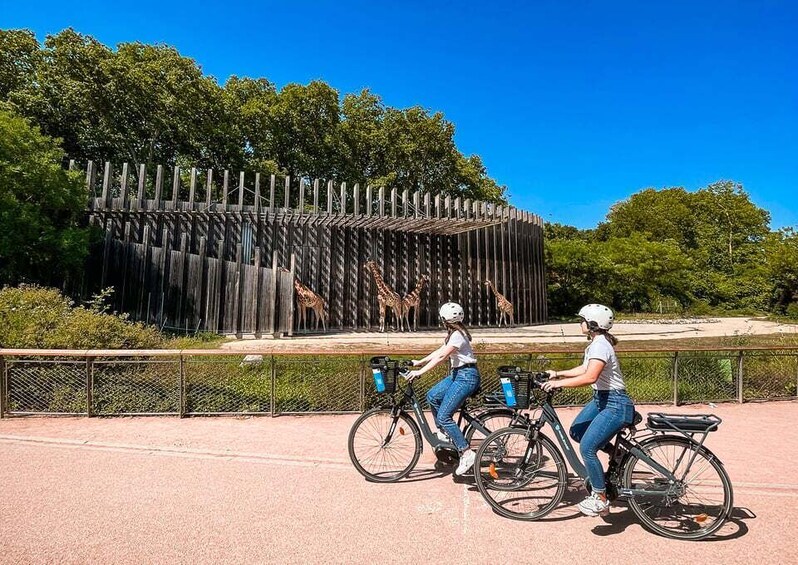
[(42, 318)]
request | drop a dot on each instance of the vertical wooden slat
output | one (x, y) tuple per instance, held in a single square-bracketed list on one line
[(106, 194), (427, 209), (301, 204), (208, 188), (287, 192), (356, 198), (90, 181), (369, 199), (225, 189), (272, 183), (329, 197), (192, 188), (141, 188), (342, 209), (273, 294), (393, 202), (404, 203), (241, 190), (257, 200), (158, 186), (416, 204), (316, 196), (381, 196), (291, 300), (175, 188), (123, 203)]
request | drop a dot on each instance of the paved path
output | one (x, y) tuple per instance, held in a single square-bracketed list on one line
[(282, 490), (516, 336)]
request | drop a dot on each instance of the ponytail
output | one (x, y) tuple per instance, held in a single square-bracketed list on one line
[(611, 338), (456, 327)]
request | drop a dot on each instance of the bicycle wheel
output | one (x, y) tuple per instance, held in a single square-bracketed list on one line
[(384, 449), (493, 419), (696, 506), (519, 478)]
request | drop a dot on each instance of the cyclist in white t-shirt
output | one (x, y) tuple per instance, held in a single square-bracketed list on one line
[(448, 395), (609, 410)]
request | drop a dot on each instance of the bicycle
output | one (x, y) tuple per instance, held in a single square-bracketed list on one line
[(385, 443), (674, 485)]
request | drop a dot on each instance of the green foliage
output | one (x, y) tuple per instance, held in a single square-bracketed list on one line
[(148, 104), (41, 206), (709, 251), (42, 318)]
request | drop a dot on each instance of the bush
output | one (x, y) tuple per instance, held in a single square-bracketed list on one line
[(33, 317)]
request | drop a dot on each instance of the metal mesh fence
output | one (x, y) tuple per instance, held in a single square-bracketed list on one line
[(136, 386), (38, 386), (234, 383), (769, 375), (228, 385)]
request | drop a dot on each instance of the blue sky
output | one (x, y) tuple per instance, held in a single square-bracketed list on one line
[(573, 105)]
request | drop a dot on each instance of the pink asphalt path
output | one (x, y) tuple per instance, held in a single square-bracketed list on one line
[(282, 490)]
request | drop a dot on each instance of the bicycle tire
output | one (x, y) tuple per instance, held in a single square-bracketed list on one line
[(511, 490), (696, 513), (380, 462), (493, 419)]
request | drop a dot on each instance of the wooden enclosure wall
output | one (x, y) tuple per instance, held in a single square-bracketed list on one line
[(216, 266)]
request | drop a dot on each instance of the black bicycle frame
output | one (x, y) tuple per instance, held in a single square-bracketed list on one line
[(549, 415), (409, 397)]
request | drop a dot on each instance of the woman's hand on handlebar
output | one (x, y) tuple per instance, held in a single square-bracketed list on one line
[(411, 375), (551, 385)]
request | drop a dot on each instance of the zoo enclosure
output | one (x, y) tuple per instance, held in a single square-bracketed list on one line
[(193, 382), (200, 255)]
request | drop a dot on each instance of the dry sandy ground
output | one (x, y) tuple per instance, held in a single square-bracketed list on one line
[(522, 335), (282, 490)]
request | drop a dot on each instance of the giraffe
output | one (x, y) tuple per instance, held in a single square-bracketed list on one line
[(306, 298), (413, 300), (386, 296), (505, 306)]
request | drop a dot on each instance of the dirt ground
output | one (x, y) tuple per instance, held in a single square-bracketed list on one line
[(515, 337), (282, 490)]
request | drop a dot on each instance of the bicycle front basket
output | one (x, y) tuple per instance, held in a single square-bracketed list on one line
[(516, 386), (384, 371)]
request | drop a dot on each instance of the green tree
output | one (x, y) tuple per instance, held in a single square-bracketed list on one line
[(19, 57), (781, 250), (41, 207), (303, 122)]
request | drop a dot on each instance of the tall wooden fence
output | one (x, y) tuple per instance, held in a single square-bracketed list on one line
[(208, 255)]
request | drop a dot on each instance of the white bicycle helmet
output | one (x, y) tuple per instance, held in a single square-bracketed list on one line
[(597, 316), (451, 312)]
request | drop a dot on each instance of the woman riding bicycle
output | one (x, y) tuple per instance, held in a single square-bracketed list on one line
[(448, 395), (610, 409)]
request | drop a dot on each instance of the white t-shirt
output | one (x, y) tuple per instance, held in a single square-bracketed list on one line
[(463, 354), (610, 378)]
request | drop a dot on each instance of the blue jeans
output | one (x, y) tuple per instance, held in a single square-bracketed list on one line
[(594, 426), (446, 398)]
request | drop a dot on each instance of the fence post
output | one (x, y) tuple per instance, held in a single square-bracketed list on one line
[(362, 383), (271, 401), (89, 386), (740, 377), (676, 378), (3, 387), (182, 384)]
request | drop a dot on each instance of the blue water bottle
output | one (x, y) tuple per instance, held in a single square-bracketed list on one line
[(379, 381), (509, 393)]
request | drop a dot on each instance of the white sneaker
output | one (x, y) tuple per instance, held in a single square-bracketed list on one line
[(467, 459), (593, 505), (442, 436)]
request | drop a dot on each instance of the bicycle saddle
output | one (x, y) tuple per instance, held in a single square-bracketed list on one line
[(636, 419)]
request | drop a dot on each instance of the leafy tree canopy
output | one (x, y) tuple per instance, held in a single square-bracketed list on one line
[(148, 104)]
